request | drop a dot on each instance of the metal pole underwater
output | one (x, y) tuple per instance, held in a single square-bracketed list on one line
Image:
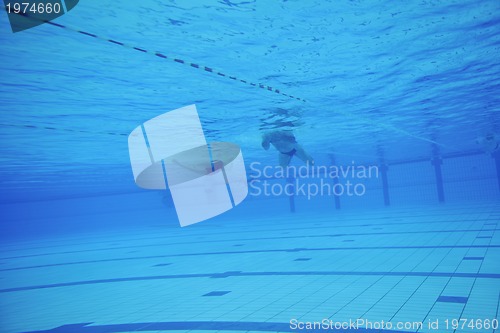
[(336, 197), (496, 157), (385, 183), (291, 197), (437, 161), (383, 167)]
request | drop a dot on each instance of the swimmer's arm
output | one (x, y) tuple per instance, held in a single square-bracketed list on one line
[(266, 141)]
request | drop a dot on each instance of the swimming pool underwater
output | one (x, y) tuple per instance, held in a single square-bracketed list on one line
[(401, 89), (401, 266)]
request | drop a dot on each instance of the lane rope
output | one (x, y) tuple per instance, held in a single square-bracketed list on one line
[(174, 59), (222, 74)]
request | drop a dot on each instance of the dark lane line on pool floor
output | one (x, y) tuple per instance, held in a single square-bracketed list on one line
[(194, 326), (370, 248), (242, 230), (252, 274), (252, 239)]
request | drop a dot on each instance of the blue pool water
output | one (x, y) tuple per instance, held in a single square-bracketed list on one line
[(404, 88)]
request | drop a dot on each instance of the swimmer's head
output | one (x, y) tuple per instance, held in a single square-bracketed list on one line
[(488, 143), (490, 137)]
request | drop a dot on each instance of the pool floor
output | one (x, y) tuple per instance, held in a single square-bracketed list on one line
[(403, 266)]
